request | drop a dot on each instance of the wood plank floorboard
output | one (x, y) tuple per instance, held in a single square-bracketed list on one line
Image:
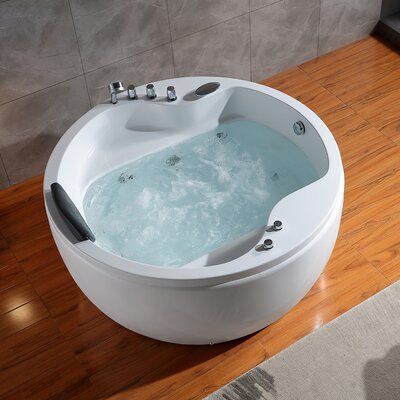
[(55, 344)]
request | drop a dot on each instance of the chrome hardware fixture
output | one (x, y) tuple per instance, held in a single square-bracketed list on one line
[(299, 128), (171, 94), (150, 91), (171, 161), (276, 226), (221, 135), (131, 92), (115, 88), (267, 245)]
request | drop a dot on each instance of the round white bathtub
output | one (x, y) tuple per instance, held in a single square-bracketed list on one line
[(206, 301)]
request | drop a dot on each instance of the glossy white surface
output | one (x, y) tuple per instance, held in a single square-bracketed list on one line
[(201, 302)]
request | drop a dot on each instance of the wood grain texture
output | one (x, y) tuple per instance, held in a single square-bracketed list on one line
[(355, 357), (367, 80), (55, 344)]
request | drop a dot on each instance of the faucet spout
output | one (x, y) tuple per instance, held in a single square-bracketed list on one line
[(115, 88)]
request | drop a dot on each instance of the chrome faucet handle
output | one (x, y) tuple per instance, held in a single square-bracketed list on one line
[(132, 92), (115, 88), (150, 91), (171, 94), (268, 244), (277, 225)]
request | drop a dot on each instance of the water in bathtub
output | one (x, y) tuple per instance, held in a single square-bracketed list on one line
[(173, 206)]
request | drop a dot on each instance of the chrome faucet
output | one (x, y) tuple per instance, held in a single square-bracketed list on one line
[(115, 88), (268, 244), (131, 92), (150, 91), (171, 94)]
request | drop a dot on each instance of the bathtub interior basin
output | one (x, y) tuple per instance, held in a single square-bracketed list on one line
[(195, 197), (195, 182)]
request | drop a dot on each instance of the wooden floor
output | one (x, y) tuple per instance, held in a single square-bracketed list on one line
[(55, 344)]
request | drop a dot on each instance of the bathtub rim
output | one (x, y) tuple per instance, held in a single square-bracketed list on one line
[(210, 280), (333, 181)]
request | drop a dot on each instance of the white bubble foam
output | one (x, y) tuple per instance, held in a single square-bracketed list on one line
[(171, 207)]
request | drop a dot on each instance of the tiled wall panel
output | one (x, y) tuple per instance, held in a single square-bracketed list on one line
[(31, 126), (282, 35), (191, 16), (57, 56), (38, 47), (344, 21), (109, 31), (227, 52)]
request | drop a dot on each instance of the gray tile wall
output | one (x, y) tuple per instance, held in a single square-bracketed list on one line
[(57, 56)]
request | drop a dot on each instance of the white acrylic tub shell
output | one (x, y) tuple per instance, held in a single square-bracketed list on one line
[(201, 303)]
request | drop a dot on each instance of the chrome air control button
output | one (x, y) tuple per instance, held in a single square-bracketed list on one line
[(278, 225)]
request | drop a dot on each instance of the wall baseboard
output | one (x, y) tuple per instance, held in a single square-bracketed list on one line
[(389, 28)]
